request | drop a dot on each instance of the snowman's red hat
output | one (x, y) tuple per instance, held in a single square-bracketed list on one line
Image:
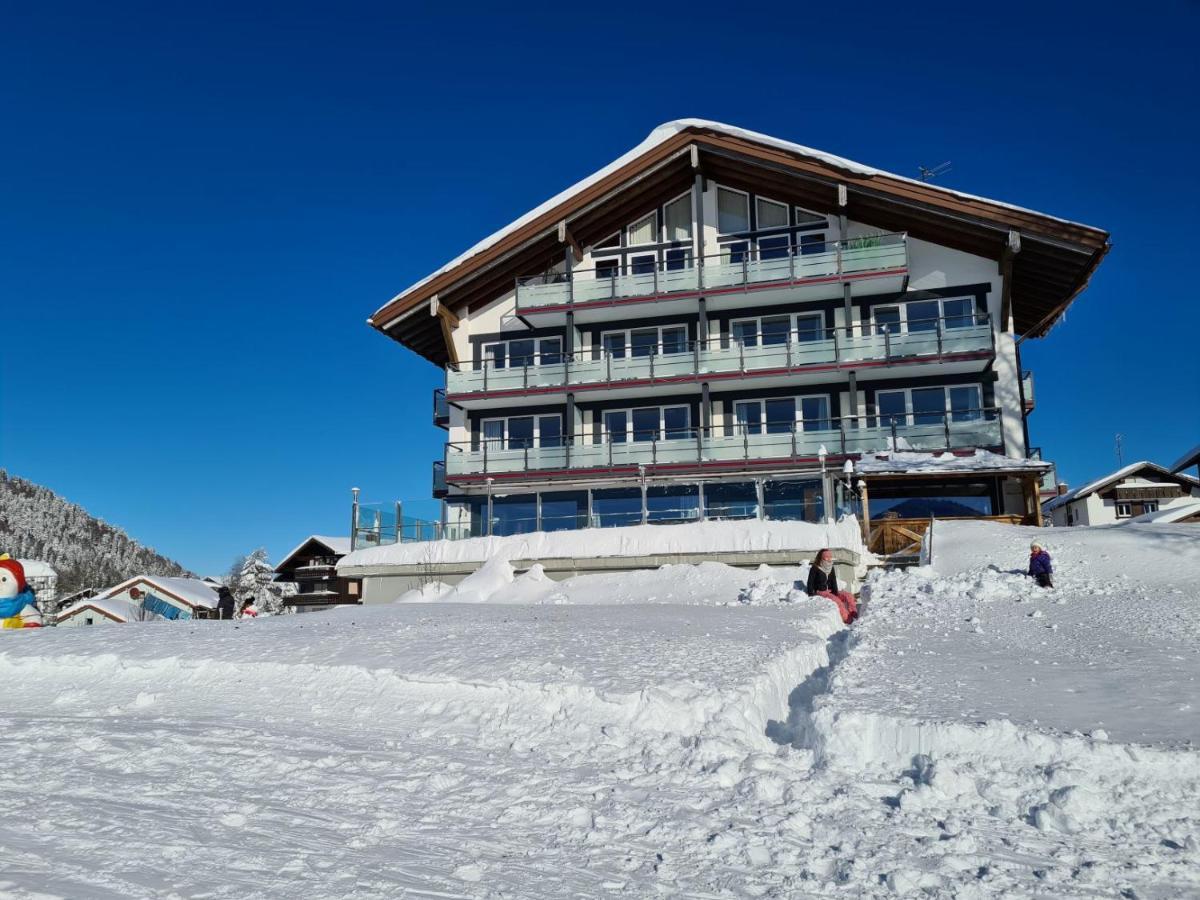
[(18, 570)]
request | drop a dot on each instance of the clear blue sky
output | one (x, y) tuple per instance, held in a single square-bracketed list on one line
[(200, 205)]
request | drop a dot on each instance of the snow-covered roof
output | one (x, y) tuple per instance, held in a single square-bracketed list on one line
[(1191, 458), (114, 609), (35, 568), (337, 545), (665, 132), (191, 591), (1100, 483), (1168, 514), (902, 461)]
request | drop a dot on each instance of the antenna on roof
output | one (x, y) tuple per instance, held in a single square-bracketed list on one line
[(1120, 455), (930, 174)]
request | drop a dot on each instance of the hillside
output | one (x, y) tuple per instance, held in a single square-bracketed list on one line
[(36, 523)]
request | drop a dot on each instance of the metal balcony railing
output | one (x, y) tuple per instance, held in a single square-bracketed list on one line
[(441, 408), (739, 264), (719, 447), (785, 352)]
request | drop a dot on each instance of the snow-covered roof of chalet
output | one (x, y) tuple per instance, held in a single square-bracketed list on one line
[(191, 591), (1103, 482), (339, 546), (910, 462), (1189, 459), (118, 610), (670, 144), (1166, 515)]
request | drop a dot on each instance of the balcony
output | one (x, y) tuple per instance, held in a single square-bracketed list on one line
[(957, 344), (703, 450), (439, 479), (441, 409), (782, 274), (1027, 391)]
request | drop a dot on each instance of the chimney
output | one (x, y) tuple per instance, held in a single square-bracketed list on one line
[(1062, 488)]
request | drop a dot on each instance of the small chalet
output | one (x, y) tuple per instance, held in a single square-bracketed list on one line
[(158, 597), (1141, 490), (313, 568), (94, 611)]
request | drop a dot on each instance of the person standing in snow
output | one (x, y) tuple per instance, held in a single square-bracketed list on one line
[(1040, 566), (225, 603), (822, 582)]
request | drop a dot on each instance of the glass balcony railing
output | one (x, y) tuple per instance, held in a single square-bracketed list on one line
[(697, 448), (1027, 390), (439, 478), (441, 408), (739, 265), (794, 352)]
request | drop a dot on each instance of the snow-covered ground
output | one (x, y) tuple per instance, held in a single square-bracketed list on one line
[(695, 731)]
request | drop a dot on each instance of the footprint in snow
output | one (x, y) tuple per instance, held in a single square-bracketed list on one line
[(471, 873)]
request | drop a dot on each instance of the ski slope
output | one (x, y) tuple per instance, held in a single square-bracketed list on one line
[(698, 731)]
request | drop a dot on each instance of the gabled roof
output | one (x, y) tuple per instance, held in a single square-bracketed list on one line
[(336, 546), (116, 610), (191, 592), (1101, 483), (1057, 259)]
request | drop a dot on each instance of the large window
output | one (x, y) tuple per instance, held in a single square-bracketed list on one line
[(645, 341), (733, 211), (649, 423), (677, 219), (924, 315), (929, 406), (771, 214), (523, 352), (522, 432), (781, 415), (770, 330), (643, 231)]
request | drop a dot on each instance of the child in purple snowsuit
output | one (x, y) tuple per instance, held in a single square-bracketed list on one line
[(1040, 567)]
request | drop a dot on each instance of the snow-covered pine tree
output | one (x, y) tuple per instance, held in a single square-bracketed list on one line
[(254, 576)]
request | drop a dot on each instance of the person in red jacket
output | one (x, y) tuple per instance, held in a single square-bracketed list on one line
[(822, 582)]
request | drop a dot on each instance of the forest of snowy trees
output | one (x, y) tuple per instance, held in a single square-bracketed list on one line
[(36, 523)]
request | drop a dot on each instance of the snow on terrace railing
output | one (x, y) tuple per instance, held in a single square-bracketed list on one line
[(739, 263), (785, 351), (375, 524), (685, 447)]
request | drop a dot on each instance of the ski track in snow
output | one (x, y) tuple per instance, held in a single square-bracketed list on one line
[(621, 735)]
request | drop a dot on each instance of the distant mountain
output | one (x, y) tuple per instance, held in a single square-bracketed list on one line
[(923, 508), (36, 523)]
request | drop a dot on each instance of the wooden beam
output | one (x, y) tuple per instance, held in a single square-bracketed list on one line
[(565, 237)]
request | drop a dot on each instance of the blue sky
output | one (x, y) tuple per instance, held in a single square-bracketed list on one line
[(200, 206)]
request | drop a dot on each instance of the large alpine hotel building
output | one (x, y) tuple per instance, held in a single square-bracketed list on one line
[(705, 326)]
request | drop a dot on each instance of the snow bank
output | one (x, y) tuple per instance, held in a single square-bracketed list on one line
[(634, 540)]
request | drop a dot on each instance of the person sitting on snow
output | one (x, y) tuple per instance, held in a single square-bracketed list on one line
[(249, 610), (1040, 566), (822, 582)]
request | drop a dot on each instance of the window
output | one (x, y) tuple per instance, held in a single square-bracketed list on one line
[(522, 432), (929, 406), (645, 341), (608, 268), (779, 415), (812, 243), (643, 231), (1124, 510), (735, 252), (650, 423), (1149, 506), (776, 330), (922, 315), (804, 217), (777, 247), (677, 260), (771, 214), (523, 352), (887, 319), (733, 211), (643, 265), (959, 313), (677, 219)]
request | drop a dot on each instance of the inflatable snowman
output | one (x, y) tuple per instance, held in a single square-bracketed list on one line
[(18, 608)]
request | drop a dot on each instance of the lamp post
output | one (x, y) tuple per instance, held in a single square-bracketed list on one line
[(826, 485)]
